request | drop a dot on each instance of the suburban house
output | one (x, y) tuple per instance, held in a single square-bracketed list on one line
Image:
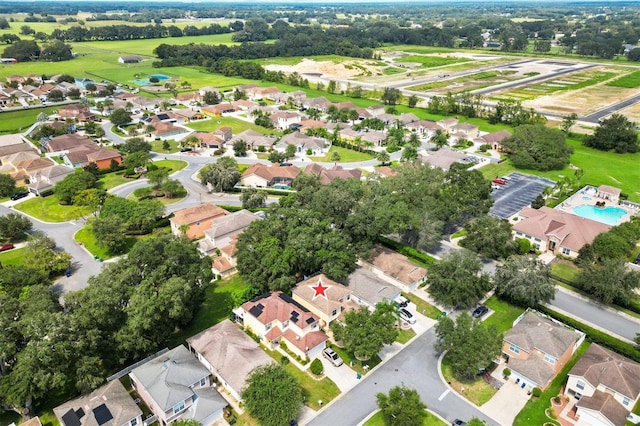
[(22, 164), (167, 130), (326, 176), (303, 144), (80, 156), (448, 123), (75, 112), (45, 179), (324, 297), (188, 114), (253, 139), (10, 144), (261, 176), (367, 289), (61, 144), (276, 317), (176, 386), (196, 219), (284, 119), (494, 139), (207, 139), (607, 386), (109, 405), (220, 240), (466, 130), (536, 348), (229, 354), (555, 231), (394, 268), (218, 109), (444, 158)]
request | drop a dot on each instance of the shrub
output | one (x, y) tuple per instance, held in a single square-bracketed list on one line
[(506, 372), (284, 360), (316, 367), (46, 193), (536, 392)]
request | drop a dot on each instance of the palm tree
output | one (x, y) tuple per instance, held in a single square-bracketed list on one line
[(440, 139), (383, 157), (108, 103)]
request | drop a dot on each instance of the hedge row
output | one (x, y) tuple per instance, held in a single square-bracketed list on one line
[(410, 252), (596, 336)]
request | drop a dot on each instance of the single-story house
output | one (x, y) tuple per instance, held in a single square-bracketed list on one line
[(197, 219), (253, 139), (109, 405), (61, 144), (326, 176), (443, 158), (555, 231), (303, 143), (130, 59), (536, 348), (494, 139), (368, 289), (219, 109), (229, 354), (394, 268), (262, 176)]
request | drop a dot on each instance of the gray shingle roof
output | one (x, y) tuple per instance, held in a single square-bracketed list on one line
[(536, 332), (167, 377), (368, 287)]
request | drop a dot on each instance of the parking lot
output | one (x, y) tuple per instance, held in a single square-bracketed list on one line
[(519, 191)]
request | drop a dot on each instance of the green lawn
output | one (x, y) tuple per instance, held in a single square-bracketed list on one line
[(405, 335), (565, 270), (475, 390), (237, 125), (86, 238), (17, 121), (218, 303), (314, 390), (600, 168), (631, 80), (431, 61), (346, 155), (533, 412), (423, 307), (430, 420), (172, 165), (13, 257), (47, 209), (358, 366), (156, 146), (504, 315), (111, 180)]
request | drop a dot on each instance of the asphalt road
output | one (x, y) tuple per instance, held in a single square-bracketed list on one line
[(416, 366), (598, 115)]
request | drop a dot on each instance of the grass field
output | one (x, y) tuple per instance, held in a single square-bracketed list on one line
[(171, 165), (346, 155), (17, 121), (600, 168), (47, 209), (533, 412), (430, 420), (13, 257), (431, 61), (565, 270), (631, 81), (237, 125)]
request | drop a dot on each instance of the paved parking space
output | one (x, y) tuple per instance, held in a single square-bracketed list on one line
[(343, 376), (519, 192), (505, 405)]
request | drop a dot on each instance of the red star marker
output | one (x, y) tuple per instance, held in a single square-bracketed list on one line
[(320, 290)]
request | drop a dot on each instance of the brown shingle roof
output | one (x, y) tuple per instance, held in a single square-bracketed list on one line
[(328, 175), (334, 295), (65, 142), (573, 231), (607, 405), (198, 213), (536, 332), (232, 353), (271, 172), (396, 265), (602, 366)]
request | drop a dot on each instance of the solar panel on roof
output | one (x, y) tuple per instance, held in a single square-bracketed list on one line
[(256, 311), (80, 413), (70, 418), (102, 414), (310, 320)]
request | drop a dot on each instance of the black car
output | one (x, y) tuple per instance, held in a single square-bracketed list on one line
[(458, 422), (18, 195), (637, 261), (480, 311)]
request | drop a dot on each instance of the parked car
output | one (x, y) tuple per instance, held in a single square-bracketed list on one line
[(5, 247), (18, 195), (499, 181), (332, 356), (458, 422), (406, 316), (480, 311), (402, 301), (637, 261), (495, 187)]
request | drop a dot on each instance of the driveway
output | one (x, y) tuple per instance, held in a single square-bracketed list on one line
[(343, 376), (505, 405)]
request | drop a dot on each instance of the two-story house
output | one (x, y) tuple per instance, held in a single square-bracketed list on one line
[(607, 386), (194, 221), (229, 354), (536, 348), (109, 405), (176, 386), (276, 317), (324, 297)]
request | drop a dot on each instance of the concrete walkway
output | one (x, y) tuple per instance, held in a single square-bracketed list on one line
[(505, 405)]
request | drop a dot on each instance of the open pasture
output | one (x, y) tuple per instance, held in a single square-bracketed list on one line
[(429, 61)]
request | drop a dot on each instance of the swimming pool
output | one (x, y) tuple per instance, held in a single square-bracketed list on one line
[(146, 82), (609, 215)]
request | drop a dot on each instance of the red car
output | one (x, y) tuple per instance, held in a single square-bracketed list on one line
[(499, 181), (6, 247)]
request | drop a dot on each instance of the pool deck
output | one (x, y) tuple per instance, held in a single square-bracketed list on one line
[(587, 196)]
